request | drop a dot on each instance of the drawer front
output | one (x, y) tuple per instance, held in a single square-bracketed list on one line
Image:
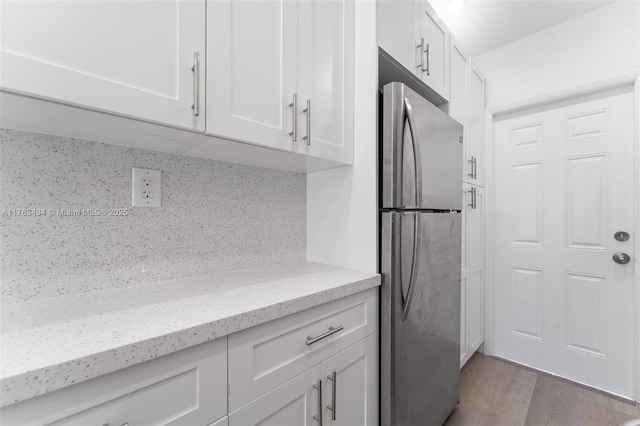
[(268, 355), (187, 387)]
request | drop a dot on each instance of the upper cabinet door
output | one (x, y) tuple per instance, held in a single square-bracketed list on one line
[(432, 51), (326, 79), (475, 128), (132, 58), (252, 71), (396, 32), (458, 82)]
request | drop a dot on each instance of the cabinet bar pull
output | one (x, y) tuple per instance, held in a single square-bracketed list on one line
[(471, 164), (307, 111), (421, 47), (473, 199), (475, 168), (318, 387), (428, 61), (334, 387), (332, 330), (196, 84), (294, 118)]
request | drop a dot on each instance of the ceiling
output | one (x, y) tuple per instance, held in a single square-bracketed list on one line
[(483, 25)]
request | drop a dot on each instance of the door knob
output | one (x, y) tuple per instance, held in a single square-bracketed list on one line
[(621, 258), (621, 236)]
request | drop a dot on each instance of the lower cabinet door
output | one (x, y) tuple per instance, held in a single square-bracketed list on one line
[(294, 403), (350, 394)]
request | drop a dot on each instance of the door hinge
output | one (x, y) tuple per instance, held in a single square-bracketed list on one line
[(460, 139)]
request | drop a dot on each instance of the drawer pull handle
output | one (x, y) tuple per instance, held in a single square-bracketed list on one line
[(332, 330)]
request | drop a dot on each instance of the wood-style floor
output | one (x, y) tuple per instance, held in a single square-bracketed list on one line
[(495, 393)]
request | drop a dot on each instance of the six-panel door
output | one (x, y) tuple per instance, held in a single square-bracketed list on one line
[(132, 58), (564, 188)]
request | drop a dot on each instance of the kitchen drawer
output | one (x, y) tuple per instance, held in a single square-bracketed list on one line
[(186, 387), (265, 356)]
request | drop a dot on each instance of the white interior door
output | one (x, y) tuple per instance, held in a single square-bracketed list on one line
[(564, 187)]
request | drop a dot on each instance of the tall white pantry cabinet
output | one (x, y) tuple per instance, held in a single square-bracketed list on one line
[(467, 107)]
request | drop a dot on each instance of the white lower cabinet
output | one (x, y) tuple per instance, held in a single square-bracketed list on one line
[(188, 387), (322, 361), (350, 385), (342, 390), (295, 402), (472, 273)]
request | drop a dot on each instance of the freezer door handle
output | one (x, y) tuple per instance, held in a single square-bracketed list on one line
[(408, 113), (406, 300)]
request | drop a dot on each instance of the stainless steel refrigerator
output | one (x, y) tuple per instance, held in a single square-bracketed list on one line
[(420, 229)]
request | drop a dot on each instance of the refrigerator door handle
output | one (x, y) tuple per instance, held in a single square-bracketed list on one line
[(408, 113), (406, 301)]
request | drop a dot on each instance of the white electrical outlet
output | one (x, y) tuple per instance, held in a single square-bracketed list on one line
[(145, 187)]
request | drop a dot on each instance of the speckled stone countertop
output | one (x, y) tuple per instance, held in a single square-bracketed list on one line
[(53, 343)]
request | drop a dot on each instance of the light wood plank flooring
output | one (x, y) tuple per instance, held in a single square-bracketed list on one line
[(496, 393)]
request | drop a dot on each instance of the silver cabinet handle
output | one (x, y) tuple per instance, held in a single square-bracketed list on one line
[(332, 330), (318, 387), (196, 84), (419, 46), (424, 48), (474, 168), (334, 387), (473, 199), (428, 61), (294, 118), (307, 111)]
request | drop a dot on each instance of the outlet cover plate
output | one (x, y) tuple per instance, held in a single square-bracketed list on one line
[(146, 187)]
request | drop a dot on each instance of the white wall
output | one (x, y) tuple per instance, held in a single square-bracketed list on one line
[(342, 203), (585, 49)]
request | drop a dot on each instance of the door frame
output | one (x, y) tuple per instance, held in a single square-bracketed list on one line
[(627, 78)]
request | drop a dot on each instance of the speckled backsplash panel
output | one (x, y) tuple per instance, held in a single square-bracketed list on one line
[(214, 217)]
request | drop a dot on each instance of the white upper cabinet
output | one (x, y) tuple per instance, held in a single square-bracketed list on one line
[(458, 82), (326, 54), (474, 135), (395, 31), (252, 70), (280, 74), (131, 58), (432, 51)]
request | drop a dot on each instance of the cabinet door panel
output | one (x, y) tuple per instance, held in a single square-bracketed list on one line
[(476, 272), (251, 70), (475, 124), (436, 60), (292, 403), (356, 387), (326, 53), (96, 54), (396, 32)]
